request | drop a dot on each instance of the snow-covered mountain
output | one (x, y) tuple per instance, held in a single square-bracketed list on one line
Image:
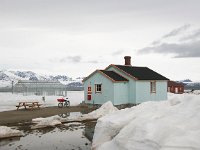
[(6, 78), (189, 84)]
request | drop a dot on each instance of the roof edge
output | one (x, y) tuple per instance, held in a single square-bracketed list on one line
[(112, 65), (106, 75), (113, 79), (89, 75), (99, 71)]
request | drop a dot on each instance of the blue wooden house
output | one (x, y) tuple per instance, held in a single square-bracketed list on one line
[(124, 84)]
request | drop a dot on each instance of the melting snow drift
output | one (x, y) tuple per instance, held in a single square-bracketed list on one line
[(106, 108), (6, 132), (166, 125), (46, 122)]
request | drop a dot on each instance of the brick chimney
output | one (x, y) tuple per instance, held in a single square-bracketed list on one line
[(127, 60)]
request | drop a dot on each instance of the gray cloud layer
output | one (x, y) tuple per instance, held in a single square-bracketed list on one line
[(76, 59), (62, 32), (73, 59), (191, 48), (116, 53), (93, 62), (172, 33), (193, 36), (177, 31), (179, 50)]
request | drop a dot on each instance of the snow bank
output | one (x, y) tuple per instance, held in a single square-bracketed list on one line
[(172, 124), (6, 132), (106, 108), (197, 92), (46, 122)]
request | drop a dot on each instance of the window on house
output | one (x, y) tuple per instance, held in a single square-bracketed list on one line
[(153, 86), (98, 88)]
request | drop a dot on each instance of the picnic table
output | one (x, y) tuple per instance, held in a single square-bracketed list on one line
[(30, 105)]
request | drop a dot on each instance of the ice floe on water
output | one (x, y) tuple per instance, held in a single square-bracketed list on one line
[(166, 125), (106, 108), (6, 132)]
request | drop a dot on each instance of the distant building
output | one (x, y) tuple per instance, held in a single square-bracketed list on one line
[(175, 87), (39, 87), (124, 84)]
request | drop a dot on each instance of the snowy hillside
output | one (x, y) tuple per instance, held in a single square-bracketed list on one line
[(6, 78), (192, 86), (189, 84)]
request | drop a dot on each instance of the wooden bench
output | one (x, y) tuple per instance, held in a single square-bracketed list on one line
[(30, 105), (18, 107)]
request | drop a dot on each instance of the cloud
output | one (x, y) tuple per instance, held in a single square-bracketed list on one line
[(73, 59), (191, 49), (93, 62), (119, 52), (156, 42), (194, 36), (180, 42), (176, 31)]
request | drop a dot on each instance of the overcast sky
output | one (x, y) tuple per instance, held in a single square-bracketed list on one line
[(76, 37)]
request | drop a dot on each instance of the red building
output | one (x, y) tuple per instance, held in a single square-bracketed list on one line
[(175, 87)]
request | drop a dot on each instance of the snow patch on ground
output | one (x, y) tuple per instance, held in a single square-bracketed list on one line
[(6, 132), (46, 122), (172, 124), (106, 108), (73, 124), (197, 92)]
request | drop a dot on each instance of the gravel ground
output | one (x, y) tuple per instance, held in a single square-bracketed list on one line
[(22, 115)]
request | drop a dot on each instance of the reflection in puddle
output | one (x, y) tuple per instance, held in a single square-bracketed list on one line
[(89, 130), (63, 137), (70, 114), (64, 115), (8, 141)]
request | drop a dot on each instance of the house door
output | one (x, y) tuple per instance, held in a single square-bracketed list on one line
[(176, 90)]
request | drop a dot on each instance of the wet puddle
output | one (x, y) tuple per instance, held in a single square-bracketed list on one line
[(68, 136)]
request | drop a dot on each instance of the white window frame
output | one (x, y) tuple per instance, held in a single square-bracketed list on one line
[(153, 86), (98, 88)]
